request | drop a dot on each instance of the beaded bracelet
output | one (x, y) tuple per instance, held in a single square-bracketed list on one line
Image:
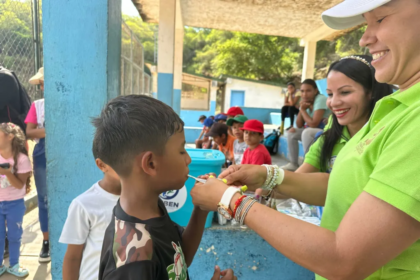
[(241, 207), (237, 203), (246, 211), (269, 176)]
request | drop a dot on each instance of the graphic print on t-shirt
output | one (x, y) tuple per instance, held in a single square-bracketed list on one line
[(177, 270), (132, 242), (4, 182)]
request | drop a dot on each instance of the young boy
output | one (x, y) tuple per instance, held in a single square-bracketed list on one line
[(143, 140), (239, 145), (220, 118), (256, 153), (219, 132), (88, 217), (206, 142)]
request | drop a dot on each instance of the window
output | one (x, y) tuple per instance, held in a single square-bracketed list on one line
[(195, 93)]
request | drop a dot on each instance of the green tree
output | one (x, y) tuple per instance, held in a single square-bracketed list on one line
[(146, 33)]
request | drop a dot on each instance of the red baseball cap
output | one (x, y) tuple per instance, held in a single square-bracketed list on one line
[(234, 111), (253, 125)]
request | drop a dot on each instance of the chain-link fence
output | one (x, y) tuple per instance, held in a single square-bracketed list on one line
[(17, 44), (134, 79)]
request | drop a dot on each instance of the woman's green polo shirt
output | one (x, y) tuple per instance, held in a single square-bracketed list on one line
[(382, 159)]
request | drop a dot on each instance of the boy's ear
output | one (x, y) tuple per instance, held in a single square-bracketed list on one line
[(100, 164), (148, 163)]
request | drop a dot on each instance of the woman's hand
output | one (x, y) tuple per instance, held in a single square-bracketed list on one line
[(225, 274), (207, 196), (305, 105), (253, 176)]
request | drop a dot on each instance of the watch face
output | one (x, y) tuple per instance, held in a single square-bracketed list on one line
[(222, 211)]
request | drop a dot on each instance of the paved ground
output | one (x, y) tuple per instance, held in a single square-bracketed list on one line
[(31, 245)]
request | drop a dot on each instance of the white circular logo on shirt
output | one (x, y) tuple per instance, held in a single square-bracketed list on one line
[(174, 200)]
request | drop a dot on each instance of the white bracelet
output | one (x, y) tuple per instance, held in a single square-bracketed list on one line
[(269, 176)]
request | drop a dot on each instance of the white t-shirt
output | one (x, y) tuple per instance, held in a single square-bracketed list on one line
[(88, 217), (238, 151)]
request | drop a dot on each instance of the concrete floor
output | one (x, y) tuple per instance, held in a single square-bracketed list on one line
[(31, 246)]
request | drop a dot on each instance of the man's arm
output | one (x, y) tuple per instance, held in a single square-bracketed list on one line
[(72, 261), (191, 237)]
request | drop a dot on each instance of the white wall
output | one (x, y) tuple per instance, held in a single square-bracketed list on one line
[(257, 95)]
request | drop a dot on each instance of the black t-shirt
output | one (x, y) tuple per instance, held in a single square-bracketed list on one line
[(142, 250)]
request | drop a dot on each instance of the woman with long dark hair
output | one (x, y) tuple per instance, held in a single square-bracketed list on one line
[(370, 226), (352, 94)]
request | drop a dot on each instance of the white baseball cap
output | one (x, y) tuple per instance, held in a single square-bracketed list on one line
[(35, 80), (349, 13)]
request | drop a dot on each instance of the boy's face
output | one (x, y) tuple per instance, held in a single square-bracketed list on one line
[(252, 138), (236, 129), (172, 166), (220, 139)]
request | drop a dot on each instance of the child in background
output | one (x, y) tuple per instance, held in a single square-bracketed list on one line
[(239, 145), (14, 185), (219, 132), (141, 241), (220, 118), (231, 113), (256, 153), (88, 217), (206, 142)]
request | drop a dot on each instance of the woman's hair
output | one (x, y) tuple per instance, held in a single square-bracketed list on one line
[(18, 147), (311, 83), (359, 69)]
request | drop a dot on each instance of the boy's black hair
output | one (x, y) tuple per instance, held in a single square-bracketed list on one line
[(130, 125), (291, 84)]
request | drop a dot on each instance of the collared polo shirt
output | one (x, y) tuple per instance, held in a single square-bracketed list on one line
[(382, 159)]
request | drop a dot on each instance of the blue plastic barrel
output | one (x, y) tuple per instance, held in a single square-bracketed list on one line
[(179, 202)]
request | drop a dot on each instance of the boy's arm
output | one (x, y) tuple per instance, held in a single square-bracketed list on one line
[(72, 261), (191, 237)]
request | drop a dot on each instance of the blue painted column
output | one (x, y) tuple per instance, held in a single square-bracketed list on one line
[(166, 50), (82, 48)]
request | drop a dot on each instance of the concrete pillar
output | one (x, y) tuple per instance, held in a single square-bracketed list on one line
[(178, 56), (166, 50), (309, 60), (82, 52)]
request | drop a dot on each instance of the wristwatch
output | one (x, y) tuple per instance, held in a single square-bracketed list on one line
[(223, 206)]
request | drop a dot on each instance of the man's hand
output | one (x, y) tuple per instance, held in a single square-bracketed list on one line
[(223, 275)]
